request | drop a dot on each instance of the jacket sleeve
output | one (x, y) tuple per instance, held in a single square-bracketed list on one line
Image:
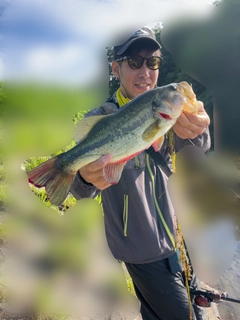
[(202, 141), (81, 189)]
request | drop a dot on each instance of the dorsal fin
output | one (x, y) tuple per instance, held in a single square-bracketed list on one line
[(85, 125)]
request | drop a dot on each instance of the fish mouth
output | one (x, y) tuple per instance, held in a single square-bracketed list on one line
[(165, 116), (190, 104), (187, 90)]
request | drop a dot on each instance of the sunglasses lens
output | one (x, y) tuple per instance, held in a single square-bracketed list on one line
[(135, 62), (154, 63)]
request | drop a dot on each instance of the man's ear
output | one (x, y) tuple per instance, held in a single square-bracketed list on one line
[(115, 69)]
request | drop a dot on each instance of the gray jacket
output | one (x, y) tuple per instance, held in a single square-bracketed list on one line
[(138, 213)]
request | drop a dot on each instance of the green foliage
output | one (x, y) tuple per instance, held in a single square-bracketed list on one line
[(3, 232), (113, 81), (44, 102), (2, 108), (3, 291), (32, 163), (3, 194), (2, 98), (157, 28), (79, 115), (128, 278)]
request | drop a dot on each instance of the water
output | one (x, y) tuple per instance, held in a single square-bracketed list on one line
[(230, 282)]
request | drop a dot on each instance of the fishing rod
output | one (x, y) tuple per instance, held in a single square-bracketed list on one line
[(205, 298)]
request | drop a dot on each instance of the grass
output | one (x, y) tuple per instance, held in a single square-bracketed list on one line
[(42, 117), (128, 278), (51, 317), (3, 291), (30, 164), (33, 162), (3, 195), (37, 119)]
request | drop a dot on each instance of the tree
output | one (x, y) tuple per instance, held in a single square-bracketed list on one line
[(113, 81)]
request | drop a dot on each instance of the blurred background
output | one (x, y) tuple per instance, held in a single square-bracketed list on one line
[(55, 62)]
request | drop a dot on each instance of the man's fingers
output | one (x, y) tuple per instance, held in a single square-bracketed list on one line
[(98, 180), (102, 185), (184, 132), (100, 163), (201, 119), (185, 123), (200, 106), (183, 120), (93, 172)]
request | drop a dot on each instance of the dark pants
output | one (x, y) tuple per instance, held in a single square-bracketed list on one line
[(163, 295)]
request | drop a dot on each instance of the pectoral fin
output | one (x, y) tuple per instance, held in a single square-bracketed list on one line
[(149, 134), (85, 125), (158, 143), (112, 172)]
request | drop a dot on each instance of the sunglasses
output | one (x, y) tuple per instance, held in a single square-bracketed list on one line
[(136, 61)]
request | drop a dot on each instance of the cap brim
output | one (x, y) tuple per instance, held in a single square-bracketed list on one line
[(127, 45)]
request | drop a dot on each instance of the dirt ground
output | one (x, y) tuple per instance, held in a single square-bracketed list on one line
[(212, 314)]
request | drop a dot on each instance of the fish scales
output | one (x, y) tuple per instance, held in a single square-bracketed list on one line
[(126, 124)]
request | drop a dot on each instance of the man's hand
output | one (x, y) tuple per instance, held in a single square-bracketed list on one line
[(93, 172), (190, 125)]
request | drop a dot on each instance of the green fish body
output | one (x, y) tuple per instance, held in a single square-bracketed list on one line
[(136, 126)]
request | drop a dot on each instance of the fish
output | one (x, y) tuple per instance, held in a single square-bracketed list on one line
[(136, 126)]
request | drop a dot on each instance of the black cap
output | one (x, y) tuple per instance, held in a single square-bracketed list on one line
[(143, 33)]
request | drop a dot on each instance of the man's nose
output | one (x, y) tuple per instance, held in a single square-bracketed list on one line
[(144, 71)]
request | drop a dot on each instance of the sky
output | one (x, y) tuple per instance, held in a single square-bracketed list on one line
[(65, 40)]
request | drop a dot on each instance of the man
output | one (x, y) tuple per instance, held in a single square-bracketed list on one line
[(138, 214)]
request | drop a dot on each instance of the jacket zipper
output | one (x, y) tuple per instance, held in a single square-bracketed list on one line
[(125, 215)]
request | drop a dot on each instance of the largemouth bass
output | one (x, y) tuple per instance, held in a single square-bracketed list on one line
[(136, 126)]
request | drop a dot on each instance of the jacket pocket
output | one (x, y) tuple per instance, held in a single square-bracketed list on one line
[(125, 215)]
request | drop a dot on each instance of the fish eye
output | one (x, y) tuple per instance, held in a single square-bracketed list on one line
[(155, 104), (173, 86)]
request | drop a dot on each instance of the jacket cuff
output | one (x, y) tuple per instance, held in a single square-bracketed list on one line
[(81, 188)]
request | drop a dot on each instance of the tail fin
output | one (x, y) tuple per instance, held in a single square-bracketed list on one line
[(56, 182)]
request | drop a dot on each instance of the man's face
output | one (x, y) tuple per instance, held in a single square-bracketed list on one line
[(136, 81)]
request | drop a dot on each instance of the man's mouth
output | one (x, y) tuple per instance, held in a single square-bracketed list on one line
[(142, 85), (165, 116)]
